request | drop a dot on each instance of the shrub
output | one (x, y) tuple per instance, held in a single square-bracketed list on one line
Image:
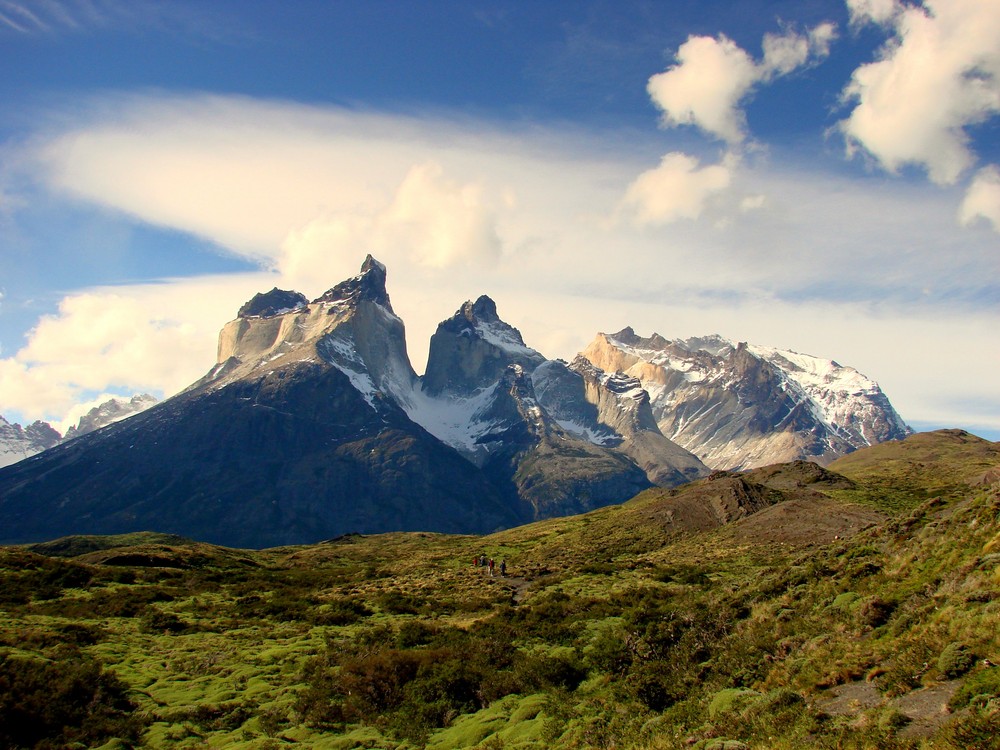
[(955, 660), (983, 683), (562, 669), (729, 700), (157, 621), (874, 612), (56, 704), (975, 729)]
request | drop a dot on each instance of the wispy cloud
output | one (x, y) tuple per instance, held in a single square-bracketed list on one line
[(60, 17)]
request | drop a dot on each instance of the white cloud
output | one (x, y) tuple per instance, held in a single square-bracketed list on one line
[(982, 200), (444, 222), (875, 11), (431, 222), (676, 189), (157, 337), (705, 87), (939, 74), (713, 76)]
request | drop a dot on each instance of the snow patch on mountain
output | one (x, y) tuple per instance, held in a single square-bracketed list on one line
[(454, 420), (342, 355), (504, 337)]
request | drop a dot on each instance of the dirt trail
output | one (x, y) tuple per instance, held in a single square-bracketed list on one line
[(518, 587), (926, 709)]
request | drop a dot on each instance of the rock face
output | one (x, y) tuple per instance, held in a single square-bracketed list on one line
[(738, 406), (111, 411), (472, 349), (17, 443), (536, 427)]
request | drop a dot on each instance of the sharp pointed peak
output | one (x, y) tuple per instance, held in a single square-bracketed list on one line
[(368, 285), (371, 265)]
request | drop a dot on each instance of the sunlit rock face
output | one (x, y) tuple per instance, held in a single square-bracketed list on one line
[(741, 406)]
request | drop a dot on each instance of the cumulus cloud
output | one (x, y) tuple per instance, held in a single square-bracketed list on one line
[(431, 221), (939, 74), (445, 222), (982, 200), (706, 88), (157, 337), (713, 76), (676, 189)]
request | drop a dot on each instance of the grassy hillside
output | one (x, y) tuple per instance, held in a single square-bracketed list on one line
[(784, 608)]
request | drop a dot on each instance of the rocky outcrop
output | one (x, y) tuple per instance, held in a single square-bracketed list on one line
[(275, 302)]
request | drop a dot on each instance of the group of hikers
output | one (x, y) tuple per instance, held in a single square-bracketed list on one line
[(481, 561)]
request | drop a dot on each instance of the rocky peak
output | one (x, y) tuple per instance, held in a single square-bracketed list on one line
[(18, 442), (113, 410), (368, 285), (483, 309), (470, 350), (42, 434), (275, 302)]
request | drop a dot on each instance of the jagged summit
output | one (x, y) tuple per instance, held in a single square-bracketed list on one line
[(17, 443), (470, 350), (368, 285), (275, 302), (483, 309)]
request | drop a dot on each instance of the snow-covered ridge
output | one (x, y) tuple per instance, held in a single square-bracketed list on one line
[(456, 421), (503, 337), (740, 405)]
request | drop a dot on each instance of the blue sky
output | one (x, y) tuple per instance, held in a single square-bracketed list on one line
[(814, 175)]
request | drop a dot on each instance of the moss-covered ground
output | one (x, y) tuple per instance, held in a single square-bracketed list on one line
[(612, 629)]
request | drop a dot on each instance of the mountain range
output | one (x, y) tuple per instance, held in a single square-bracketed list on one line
[(313, 423), (17, 442)]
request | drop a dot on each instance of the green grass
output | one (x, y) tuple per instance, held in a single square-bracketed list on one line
[(630, 633)]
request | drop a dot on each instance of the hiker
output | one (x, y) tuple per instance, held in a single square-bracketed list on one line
[(491, 567), (503, 568)]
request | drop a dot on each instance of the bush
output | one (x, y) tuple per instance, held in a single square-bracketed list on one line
[(955, 660), (559, 670), (874, 612), (157, 621), (57, 704), (982, 684), (973, 730), (729, 700)]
